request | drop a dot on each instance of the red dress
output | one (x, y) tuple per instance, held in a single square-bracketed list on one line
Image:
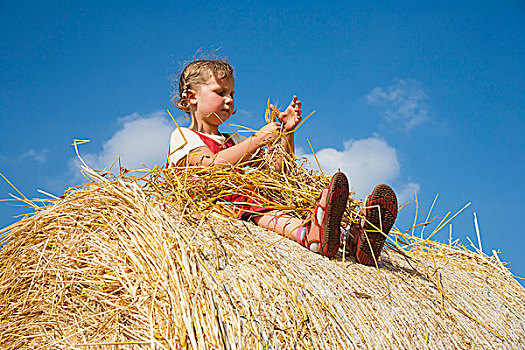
[(244, 211)]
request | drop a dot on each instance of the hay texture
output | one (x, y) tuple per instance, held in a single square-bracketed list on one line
[(129, 263)]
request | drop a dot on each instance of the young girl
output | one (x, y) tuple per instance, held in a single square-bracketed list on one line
[(206, 93)]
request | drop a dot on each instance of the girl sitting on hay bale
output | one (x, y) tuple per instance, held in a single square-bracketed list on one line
[(206, 90)]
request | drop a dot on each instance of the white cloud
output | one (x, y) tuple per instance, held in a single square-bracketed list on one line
[(406, 192), (404, 103), (39, 156), (367, 162), (140, 139)]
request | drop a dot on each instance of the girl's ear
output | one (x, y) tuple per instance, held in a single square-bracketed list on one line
[(191, 97)]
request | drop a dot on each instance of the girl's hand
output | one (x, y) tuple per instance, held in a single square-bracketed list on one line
[(268, 133), (292, 115)]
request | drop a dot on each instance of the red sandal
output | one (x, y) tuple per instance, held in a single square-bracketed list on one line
[(322, 232), (365, 241)]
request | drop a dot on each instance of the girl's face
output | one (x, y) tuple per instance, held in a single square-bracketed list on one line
[(212, 102)]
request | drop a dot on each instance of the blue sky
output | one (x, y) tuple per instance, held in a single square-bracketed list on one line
[(426, 96)]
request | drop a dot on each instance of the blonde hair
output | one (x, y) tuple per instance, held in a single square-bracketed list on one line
[(197, 73)]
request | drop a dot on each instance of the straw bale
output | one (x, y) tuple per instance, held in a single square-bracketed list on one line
[(128, 263)]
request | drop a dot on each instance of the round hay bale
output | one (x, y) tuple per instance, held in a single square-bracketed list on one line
[(113, 265)]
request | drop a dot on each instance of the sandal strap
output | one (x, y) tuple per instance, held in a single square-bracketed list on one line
[(301, 232)]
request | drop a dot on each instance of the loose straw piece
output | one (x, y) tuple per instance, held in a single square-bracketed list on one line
[(429, 212), (315, 156), (415, 216), (477, 232)]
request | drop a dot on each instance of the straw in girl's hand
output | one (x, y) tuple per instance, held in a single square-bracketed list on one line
[(291, 116)]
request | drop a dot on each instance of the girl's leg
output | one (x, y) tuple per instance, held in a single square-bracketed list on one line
[(321, 232), (279, 222)]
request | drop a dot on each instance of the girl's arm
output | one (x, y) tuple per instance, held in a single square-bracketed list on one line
[(239, 153), (290, 118), (244, 150)]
